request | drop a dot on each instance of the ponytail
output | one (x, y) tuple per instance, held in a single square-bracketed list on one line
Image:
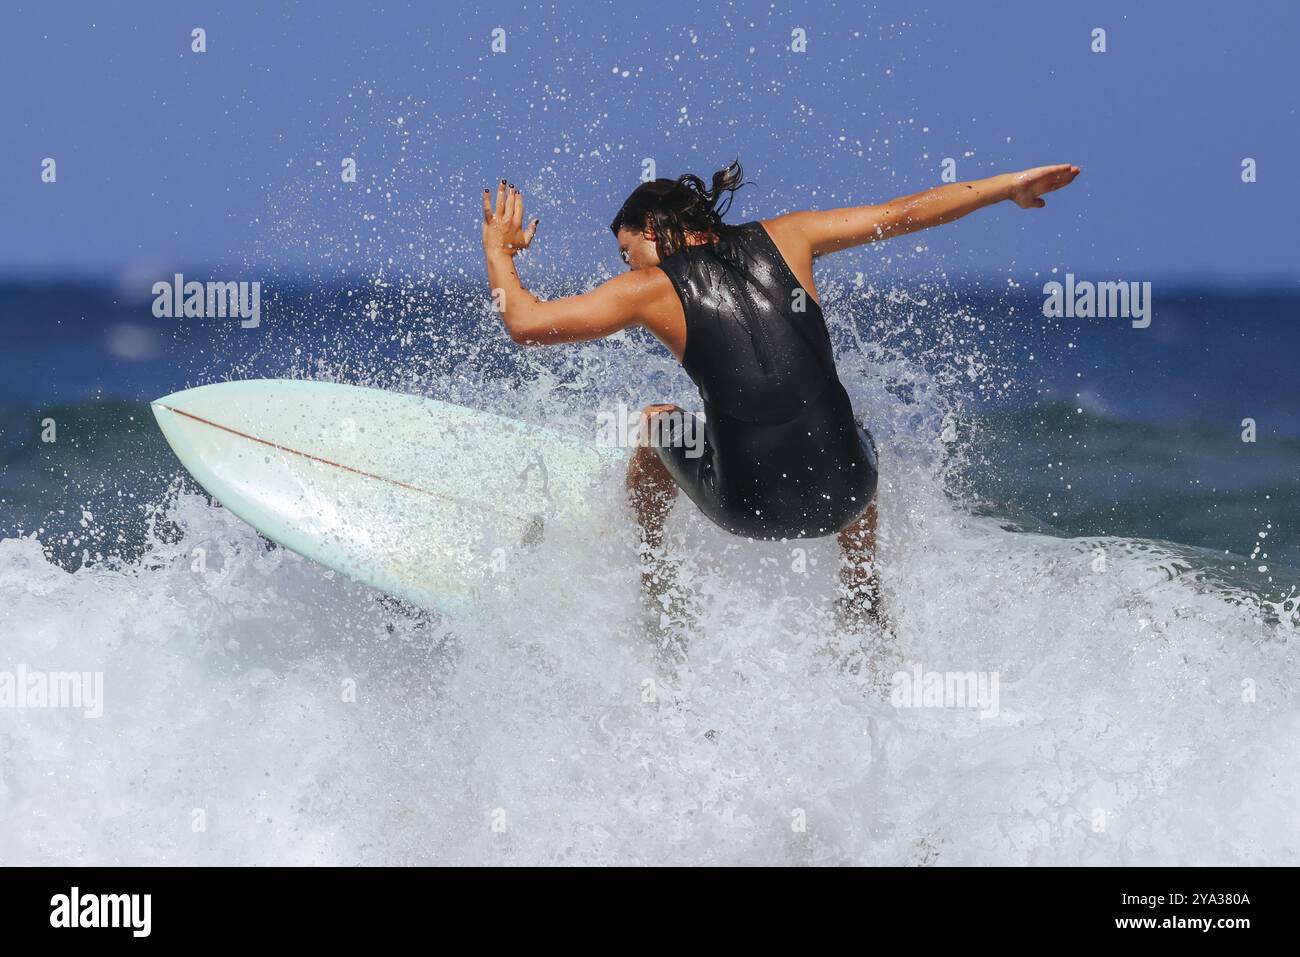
[(675, 207)]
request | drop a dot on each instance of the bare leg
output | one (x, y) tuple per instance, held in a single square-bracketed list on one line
[(871, 646), (651, 492), (860, 594)]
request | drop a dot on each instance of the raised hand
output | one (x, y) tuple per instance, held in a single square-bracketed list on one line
[(503, 225), (1028, 186)]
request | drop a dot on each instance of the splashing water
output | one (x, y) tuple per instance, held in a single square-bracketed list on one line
[(264, 710)]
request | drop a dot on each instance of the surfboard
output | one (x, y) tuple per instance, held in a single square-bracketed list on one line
[(422, 499)]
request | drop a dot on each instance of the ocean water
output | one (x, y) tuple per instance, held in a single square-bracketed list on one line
[(1066, 505)]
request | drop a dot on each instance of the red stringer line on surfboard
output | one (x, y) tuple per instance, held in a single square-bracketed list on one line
[(346, 468)]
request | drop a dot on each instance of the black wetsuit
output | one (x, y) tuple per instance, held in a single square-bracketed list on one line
[(782, 455)]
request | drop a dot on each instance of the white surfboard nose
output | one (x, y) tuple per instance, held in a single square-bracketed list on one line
[(413, 496)]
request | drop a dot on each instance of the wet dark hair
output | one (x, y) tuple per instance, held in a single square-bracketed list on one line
[(675, 207)]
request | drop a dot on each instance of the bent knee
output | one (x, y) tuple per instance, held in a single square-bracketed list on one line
[(652, 410), (647, 432)]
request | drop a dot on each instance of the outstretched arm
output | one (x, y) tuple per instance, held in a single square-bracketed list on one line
[(835, 229), (612, 306)]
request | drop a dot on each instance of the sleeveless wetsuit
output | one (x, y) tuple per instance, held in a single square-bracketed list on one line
[(782, 455)]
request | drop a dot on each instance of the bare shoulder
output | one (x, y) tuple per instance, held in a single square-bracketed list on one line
[(787, 226), (790, 234), (650, 290), (662, 311), (647, 297), (638, 290)]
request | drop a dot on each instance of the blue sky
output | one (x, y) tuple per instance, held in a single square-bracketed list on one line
[(231, 158)]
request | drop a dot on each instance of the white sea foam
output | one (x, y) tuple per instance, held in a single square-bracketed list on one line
[(1141, 719)]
